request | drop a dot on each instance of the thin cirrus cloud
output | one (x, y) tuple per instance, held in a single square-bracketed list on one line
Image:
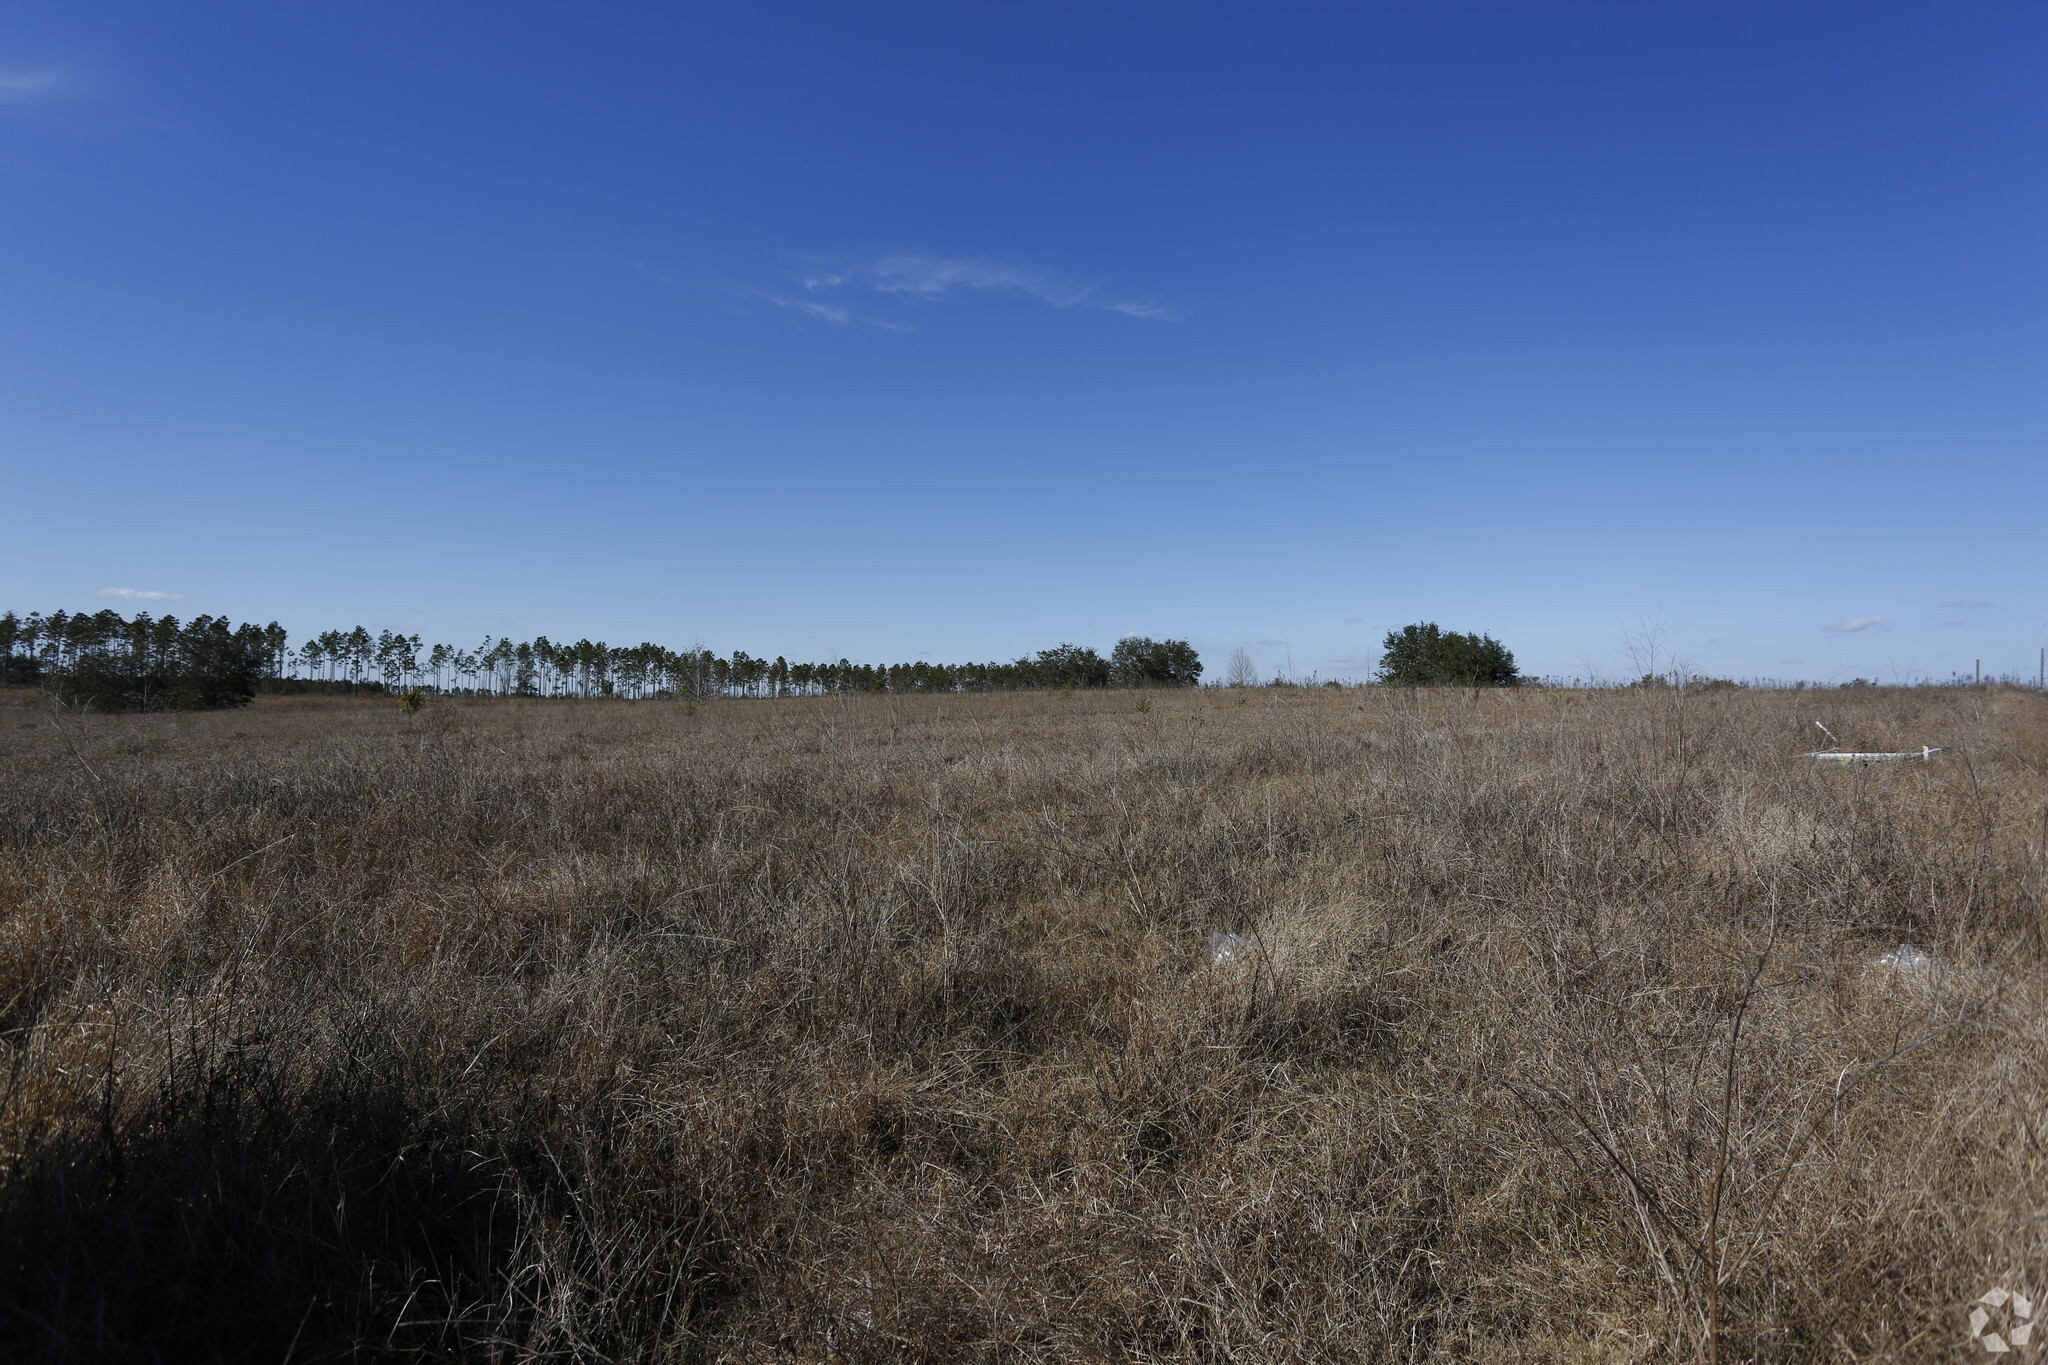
[(907, 276), (828, 312), (20, 86), (142, 595), (1856, 623)]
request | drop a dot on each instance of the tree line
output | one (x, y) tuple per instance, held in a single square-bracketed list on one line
[(110, 662)]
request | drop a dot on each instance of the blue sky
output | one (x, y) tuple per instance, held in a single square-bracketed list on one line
[(954, 331)]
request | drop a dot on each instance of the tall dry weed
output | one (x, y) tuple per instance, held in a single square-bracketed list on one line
[(885, 1029)]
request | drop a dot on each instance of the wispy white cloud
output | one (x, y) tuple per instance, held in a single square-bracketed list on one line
[(1959, 602), (820, 311), (20, 86), (1143, 308), (642, 268), (832, 313), (1856, 623), (932, 277), (142, 595), (909, 275)]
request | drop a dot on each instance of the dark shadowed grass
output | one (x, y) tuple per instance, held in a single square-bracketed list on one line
[(883, 1029)]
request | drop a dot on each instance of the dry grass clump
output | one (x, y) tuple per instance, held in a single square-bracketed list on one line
[(884, 1029)]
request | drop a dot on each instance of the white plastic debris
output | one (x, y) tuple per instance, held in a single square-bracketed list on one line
[(1907, 958), (1923, 753), (1226, 948), (1834, 753)]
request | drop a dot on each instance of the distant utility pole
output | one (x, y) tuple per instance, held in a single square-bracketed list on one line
[(1980, 672), (2041, 679)]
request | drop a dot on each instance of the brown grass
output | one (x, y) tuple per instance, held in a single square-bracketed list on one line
[(883, 1029)]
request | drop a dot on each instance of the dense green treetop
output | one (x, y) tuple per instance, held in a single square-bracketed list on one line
[(1142, 662), (1425, 655)]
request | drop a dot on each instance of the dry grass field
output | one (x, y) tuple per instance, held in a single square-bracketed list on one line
[(885, 1029)]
